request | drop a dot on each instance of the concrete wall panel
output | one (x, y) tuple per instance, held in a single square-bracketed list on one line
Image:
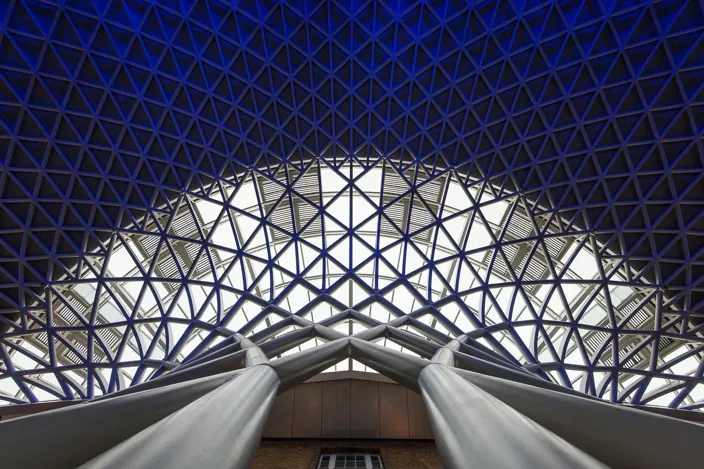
[(307, 410), (336, 409), (364, 409), (393, 411)]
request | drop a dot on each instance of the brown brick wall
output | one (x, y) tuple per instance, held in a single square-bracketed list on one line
[(304, 454)]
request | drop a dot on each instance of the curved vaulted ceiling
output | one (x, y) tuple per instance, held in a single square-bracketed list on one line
[(528, 173)]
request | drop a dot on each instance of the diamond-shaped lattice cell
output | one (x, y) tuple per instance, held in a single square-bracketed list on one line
[(526, 173)]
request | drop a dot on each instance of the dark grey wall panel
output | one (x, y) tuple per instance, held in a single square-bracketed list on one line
[(307, 410), (336, 409), (280, 423), (418, 423), (393, 411), (364, 409), (349, 405)]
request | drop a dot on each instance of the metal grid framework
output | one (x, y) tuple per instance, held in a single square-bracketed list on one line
[(523, 175)]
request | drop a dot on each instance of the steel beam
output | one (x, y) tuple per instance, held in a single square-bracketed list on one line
[(400, 367), (623, 437), (688, 415), (422, 327), (221, 430), (445, 355), (233, 361), (479, 365), (274, 329), (417, 344), (474, 345), (474, 430), (372, 333), (75, 434), (489, 357), (350, 314), (297, 368), (282, 343), (206, 357)]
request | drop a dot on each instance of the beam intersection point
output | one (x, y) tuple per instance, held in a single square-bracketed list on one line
[(211, 201)]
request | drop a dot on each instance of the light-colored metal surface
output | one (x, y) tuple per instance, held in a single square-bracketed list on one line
[(474, 430), (622, 437), (219, 430), (85, 430), (363, 183)]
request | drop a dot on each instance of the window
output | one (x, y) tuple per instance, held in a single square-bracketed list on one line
[(349, 460)]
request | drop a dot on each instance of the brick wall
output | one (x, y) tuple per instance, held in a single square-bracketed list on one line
[(304, 454)]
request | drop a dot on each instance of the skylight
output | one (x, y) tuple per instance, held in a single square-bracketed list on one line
[(383, 239)]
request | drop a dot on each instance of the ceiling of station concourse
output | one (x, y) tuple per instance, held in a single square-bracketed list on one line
[(384, 239), (528, 171)]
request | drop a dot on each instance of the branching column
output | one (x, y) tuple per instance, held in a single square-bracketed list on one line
[(220, 430), (475, 430)]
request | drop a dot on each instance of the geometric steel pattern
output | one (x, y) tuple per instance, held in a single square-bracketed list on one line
[(528, 173)]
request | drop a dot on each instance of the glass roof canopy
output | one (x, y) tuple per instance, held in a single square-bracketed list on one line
[(530, 173), (379, 237)]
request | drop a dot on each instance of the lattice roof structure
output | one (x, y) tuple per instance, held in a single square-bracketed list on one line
[(526, 176)]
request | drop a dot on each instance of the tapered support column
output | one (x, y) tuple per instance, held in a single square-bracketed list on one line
[(83, 431), (401, 367), (227, 363), (221, 430), (474, 430), (297, 368), (485, 367), (623, 437)]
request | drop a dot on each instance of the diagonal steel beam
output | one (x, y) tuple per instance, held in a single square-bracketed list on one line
[(350, 314), (478, 365), (220, 352), (474, 430), (419, 345), (233, 361), (297, 368), (620, 436), (222, 428), (83, 431), (400, 367)]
